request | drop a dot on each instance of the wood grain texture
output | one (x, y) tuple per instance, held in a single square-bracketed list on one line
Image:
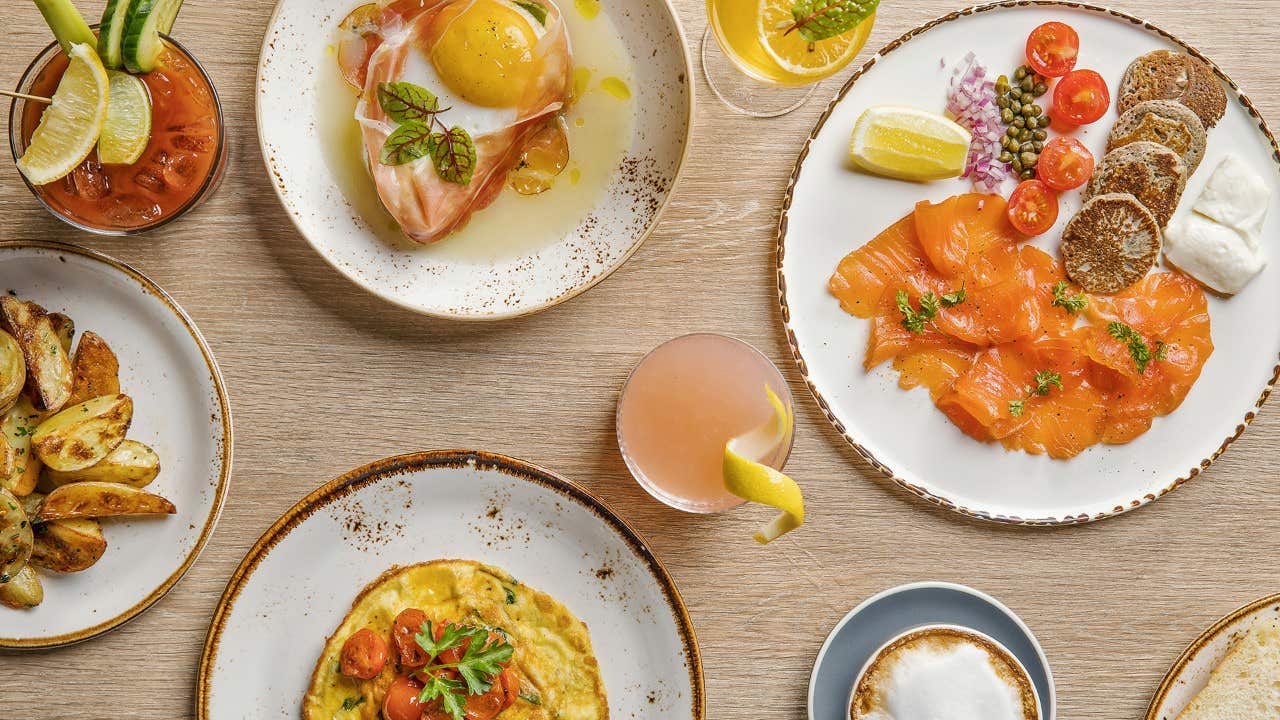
[(324, 378)]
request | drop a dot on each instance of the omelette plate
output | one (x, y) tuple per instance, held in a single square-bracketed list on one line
[(831, 210), (298, 581)]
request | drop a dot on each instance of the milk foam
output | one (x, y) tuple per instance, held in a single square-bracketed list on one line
[(952, 683)]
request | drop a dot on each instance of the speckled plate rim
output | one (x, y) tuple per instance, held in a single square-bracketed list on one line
[(227, 445), (1067, 518), (930, 584), (1206, 637), (375, 471), (640, 239)]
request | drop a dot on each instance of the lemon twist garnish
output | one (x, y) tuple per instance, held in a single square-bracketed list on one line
[(756, 482)]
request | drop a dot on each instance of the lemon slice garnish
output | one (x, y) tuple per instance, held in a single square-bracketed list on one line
[(756, 482), (808, 61), (127, 129), (909, 144), (71, 125)]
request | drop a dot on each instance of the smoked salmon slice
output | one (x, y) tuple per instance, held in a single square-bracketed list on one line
[(1008, 348)]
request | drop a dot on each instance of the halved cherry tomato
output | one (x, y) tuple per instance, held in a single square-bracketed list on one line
[(363, 655), (454, 654), (407, 624), (1065, 164), (1052, 49), (503, 694), (1033, 208), (401, 702), (1081, 97)]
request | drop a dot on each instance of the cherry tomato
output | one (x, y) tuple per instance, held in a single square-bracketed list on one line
[(407, 624), (1052, 49), (401, 702), (1081, 97), (1033, 208), (363, 655), (506, 687), (454, 654), (1065, 164)]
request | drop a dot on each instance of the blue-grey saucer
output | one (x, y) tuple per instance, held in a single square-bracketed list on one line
[(894, 611)]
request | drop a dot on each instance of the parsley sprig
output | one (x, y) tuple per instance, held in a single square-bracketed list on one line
[(1071, 303), (930, 303), (481, 663), (1045, 381), (1141, 353)]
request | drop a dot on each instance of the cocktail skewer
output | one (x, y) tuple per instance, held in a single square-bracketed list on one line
[(24, 96)]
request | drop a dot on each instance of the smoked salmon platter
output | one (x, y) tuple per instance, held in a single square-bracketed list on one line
[(1029, 283)]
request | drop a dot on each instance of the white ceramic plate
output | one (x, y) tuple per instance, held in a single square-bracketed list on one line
[(180, 409), (1190, 673), (831, 210), (443, 280), (298, 581)]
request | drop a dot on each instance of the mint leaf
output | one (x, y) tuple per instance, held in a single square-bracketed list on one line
[(454, 154), (405, 102), (536, 9), (408, 143), (822, 19)]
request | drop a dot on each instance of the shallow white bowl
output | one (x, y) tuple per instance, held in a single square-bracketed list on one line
[(293, 51)]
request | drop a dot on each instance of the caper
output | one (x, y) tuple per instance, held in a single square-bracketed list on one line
[(1020, 73), (1036, 109), (1041, 135), (1025, 147), (1024, 136), (1006, 115), (1026, 111), (1019, 122), (1033, 123), (1015, 94), (1016, 164), (1027, 174), (1006, 157), (1002, 102), (1028, 159), (1016, 107), (1027, 84), (1037, 145), (1012, 132), (1040, 89)]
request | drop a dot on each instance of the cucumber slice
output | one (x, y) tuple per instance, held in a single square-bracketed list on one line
[(111, 33), (67, 23), (141, 44)]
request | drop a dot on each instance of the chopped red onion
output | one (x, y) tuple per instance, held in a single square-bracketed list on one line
[(971, 100)]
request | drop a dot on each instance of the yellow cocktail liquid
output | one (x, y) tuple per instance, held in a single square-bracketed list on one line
[(737, 27)]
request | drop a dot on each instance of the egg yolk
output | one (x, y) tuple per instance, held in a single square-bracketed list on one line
[(483, 50)]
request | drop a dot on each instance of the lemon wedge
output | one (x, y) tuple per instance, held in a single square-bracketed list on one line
[(127, 129), (756, 482), (71, 125), (909, 144), (807, 61)]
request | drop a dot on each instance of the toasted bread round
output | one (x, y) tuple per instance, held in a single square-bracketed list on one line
[(1111, 243), (1166, 122), (1169, 75), (1149, 171)]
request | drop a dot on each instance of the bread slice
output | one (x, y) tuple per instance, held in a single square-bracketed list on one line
[(1169, 75), (1246, 684), (1111, 243), (1166, 122), (1148, 171)]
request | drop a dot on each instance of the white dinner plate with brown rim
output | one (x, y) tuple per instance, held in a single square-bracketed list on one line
[(831, 210), (179, 409), (503, 273), (299, 580), (1190, 673)]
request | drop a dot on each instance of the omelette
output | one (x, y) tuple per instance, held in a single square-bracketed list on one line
[(456, 640)]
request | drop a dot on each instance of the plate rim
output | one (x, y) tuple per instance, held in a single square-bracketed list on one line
[(1203, 639), (372, 472), (571, 293), (926, 585), (932, 496), (227, 450)]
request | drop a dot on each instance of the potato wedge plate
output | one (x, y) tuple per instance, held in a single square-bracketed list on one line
[(96, 561)]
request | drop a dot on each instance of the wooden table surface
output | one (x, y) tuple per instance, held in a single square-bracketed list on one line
[(324, 377)]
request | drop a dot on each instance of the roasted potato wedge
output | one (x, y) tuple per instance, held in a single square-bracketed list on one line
[(17, 426), (68, 546), (48, 367), (13, 370), (65, 328), (23, 591), (82, 435), (131, 463), (15, 536), (101, 499), (31, 506), (95, 371)]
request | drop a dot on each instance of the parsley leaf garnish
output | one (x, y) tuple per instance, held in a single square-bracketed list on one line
[(1071, 303), (952, 299), (1138, 348), (451, 694), (1045, 381), (481, 663), (930, 305), (1017, 407)]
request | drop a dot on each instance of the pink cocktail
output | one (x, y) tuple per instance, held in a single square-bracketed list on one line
[(682, 404)]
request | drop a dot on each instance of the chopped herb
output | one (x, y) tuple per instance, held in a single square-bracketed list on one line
[(1017, 407), (536, 9), (1138, 348), (1045, 381), (952, 299), (930, 305), (352, 703), (24, 431), (530, 698), (511, 596), (1071, 303)]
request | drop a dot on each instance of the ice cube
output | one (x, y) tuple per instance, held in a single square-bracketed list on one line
[(192, 143), (88, 181), (149, 178), (132, 210), (180, 169)]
